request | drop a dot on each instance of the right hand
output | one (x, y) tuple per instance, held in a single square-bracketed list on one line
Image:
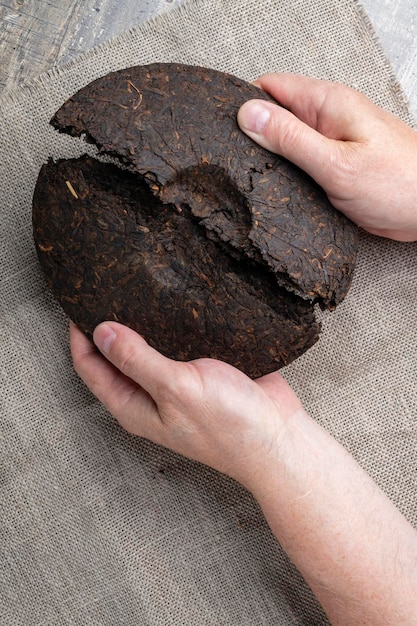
[(364, 157)]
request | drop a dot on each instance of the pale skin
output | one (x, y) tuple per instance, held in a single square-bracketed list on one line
[(353, 547)]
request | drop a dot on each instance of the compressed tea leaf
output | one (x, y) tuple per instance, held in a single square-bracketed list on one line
[(176, 126), (111, 250), (209, 246)]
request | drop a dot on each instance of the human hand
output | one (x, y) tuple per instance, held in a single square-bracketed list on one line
[(364, 157), (204, 409), (317, 500)]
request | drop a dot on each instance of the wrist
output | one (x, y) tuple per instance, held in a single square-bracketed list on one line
[(337, 526), (271, 462)]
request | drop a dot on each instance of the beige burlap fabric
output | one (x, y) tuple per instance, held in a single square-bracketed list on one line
[(98, 527)]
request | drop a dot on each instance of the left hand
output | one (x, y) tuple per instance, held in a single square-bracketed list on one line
[(204, 409), (353, 547)]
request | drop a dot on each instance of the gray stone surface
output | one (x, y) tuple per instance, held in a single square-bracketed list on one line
[(36, 34), (395, 22)]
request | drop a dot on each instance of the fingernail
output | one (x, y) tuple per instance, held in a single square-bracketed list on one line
[(254, 116), (103, 338)]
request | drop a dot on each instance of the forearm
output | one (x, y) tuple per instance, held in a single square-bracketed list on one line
[(355, 550), (353, 547)]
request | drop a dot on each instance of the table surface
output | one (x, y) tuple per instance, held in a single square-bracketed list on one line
[(36, 34)]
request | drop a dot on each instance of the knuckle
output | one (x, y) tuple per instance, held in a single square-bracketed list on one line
[(176, 389), (181, 393), (126, 359), (287, 135), (80, 363)]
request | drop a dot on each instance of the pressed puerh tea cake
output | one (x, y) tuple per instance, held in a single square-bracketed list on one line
[(116, 252), (209, 245)]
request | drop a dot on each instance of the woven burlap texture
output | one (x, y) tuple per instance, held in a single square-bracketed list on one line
[(99, 527)]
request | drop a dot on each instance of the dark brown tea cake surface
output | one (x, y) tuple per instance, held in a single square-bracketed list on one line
[(209, 246), (176, 126), (111, 250)]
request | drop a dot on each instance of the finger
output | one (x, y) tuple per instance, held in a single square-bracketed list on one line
[(100, 376), (78, 341), (91, 366), (129, 403), (300, 94), (281, 132), (83, 351), (330, 108), (135, 358)]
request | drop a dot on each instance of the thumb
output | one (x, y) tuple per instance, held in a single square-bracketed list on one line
[(281, 132), (133, 356)]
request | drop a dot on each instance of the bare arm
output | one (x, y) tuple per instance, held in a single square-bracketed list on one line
[(353, 547)]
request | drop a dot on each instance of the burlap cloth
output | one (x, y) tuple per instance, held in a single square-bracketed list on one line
[(99, 527)]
